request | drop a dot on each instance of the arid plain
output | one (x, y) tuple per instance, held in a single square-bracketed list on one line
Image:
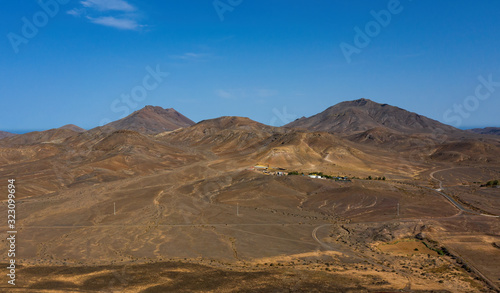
[(157, 203)]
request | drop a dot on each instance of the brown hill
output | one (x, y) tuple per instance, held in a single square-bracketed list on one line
[(224, 134), (72, 127), (85, 158), (241, 142), (4, 134), (151, 120), (56, 135), (361, 115), (487, 130), (310, 150)]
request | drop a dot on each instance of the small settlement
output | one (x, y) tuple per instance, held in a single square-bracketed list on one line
[(278, 171)]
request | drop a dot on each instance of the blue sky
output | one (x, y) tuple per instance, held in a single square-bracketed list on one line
[(93, 61)]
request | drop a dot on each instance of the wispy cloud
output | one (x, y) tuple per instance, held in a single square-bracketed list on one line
[(107, 5), (119, 23), (76, 12), (117, 14), (225, 94), (190, 56)]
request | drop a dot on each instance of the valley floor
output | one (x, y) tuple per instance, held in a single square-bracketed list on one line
[(251, 232)]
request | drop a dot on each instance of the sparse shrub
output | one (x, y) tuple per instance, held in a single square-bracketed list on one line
[(317, 173), (491, 183)]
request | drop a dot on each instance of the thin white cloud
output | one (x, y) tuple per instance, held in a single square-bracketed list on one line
[(225, 94), (107, 5), (76, 12), (119, 23), (190, 56), (117, 14)]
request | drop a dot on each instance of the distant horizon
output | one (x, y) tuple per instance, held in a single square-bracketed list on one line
[(24, 131), (28, 131)]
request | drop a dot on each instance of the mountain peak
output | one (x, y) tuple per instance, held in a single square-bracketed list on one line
[(361, 102), (156, 109), (152, 120), (228, 121), (363, 114), (72, 127)]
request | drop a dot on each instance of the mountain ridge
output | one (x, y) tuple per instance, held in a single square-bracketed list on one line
[(360, 115), (486, 130)]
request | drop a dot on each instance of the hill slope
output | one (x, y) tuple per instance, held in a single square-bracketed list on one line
[(4, 134), (52, 135)]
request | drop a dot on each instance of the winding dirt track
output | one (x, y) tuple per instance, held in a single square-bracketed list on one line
[(451, 200)]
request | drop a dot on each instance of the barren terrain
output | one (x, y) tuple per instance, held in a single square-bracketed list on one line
[(187, 210)]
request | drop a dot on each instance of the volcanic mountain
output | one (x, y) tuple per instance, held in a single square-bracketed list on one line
[(487, 130), (220, 125), (151, 120), (223, 134), (361, 115)]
